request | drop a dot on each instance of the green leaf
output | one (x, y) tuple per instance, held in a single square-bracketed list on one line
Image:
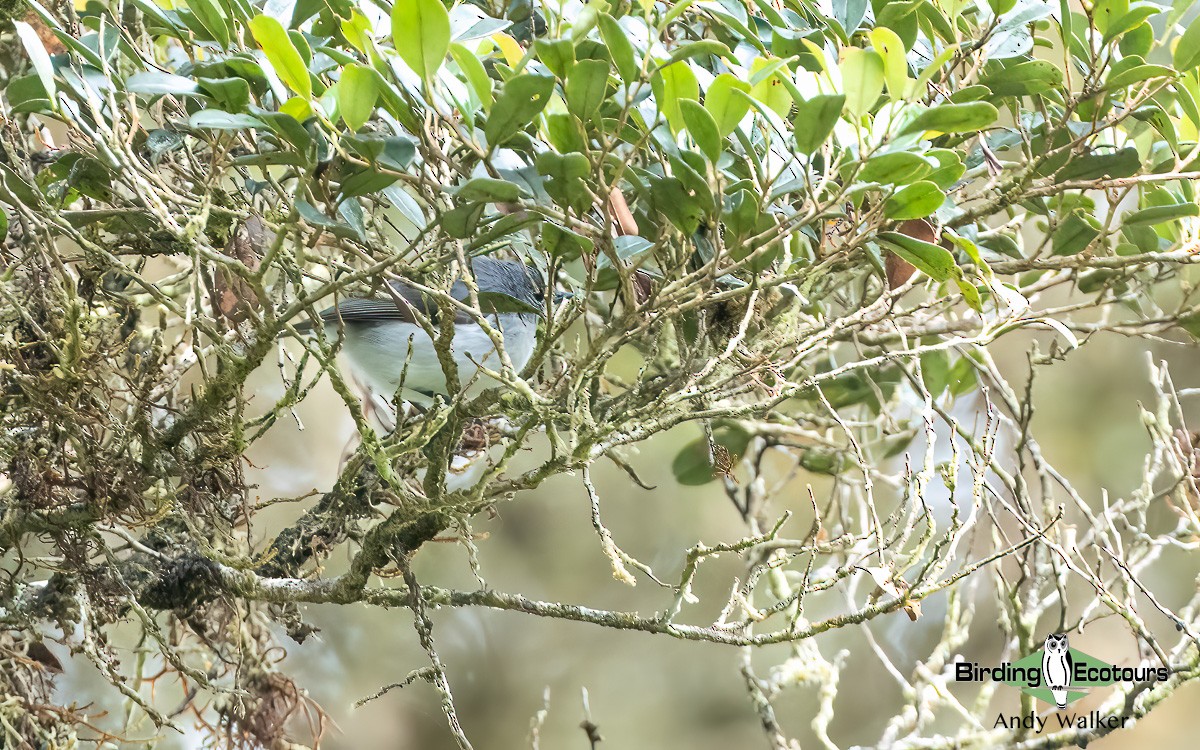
[(675, 201), (702, 128), (619, 47), (898, 167), (357, 30), (767, 86), (215, 119), (895, 66), (1075, 233), (1161, 214), (815, 120), (460, 222), (357, 93), (949, 167), (932, 260), (671, 85), (1023, 79), (421, 34), (1094, 166), (233, 94), (915, 201), (692, 466), (954, 118), (477, 77), (1187, 49), (558, 55), (488, 190), (726, 101), (587, 86), (1121, 76), (567, 175), (521, 100), (282, 54), (213, 18), (1130, 21), (38, 57), (155, 84), (821, 460), (564, 244), (696, 49), (862, 79), (850, 13), (390, 152)]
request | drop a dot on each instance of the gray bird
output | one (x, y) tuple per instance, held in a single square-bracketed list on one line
[(387, 348)]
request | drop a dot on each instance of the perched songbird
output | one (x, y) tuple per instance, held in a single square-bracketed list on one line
[(1057, 667), (388, 350)]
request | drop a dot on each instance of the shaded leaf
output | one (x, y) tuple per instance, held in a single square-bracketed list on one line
[(587, 86), (521, 100), (932, 260), (815, 120), (702, 128)]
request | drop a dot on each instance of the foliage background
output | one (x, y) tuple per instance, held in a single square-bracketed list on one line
[(1074, 225)]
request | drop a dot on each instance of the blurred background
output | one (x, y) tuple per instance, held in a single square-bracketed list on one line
[(650, 690)]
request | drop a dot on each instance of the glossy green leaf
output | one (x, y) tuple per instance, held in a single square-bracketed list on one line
[(155, 83), (673, 84), (895, 66), (357, 93), (915, 201), (726, 100), (390, 152), (282, 54), (815, 120), (522, 99), (564, 244), (566, 178), (702, 128), (932, 260), (1075, 233), (1187, 49), (1102, 165), (898, 167), (556, 54), (1023, 79), (768, 87), (954, 118), (1161, 214), (477, 77), (619, 47), (214, 19), (587, 86), (421, 33), (215, 119), (38, 57), (862, 79)]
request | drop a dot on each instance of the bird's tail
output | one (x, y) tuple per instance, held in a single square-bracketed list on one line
[(1060, 697)]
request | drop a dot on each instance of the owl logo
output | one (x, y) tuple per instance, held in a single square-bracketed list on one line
[(1057, 667)]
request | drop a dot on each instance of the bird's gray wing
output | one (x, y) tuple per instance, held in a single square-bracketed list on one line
[(399, 306)]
